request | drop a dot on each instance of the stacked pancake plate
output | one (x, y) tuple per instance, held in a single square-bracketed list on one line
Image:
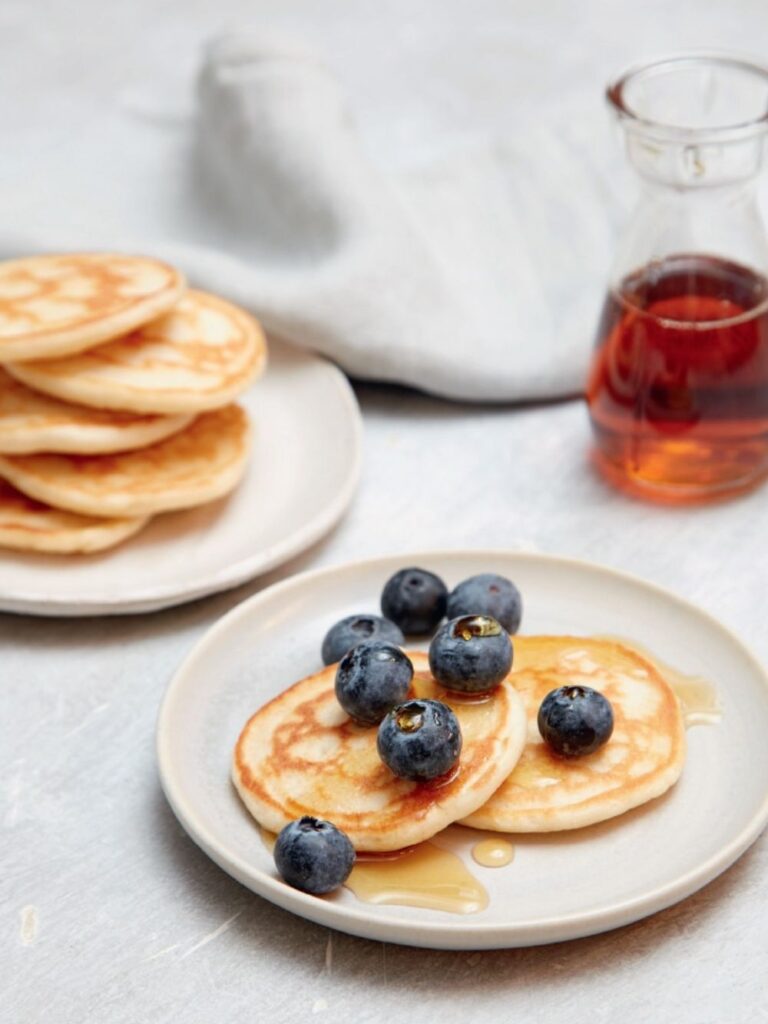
[(138, 468)]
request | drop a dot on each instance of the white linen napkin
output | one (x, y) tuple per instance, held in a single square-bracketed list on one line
[(479, 278)]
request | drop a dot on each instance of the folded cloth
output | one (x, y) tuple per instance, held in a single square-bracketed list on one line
[(476, 277)]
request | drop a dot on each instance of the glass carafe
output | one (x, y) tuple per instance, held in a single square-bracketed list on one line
[(678, 390)]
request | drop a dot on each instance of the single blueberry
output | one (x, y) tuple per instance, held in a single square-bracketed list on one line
[(472, 653), (575, 720), (372, 678), (353, 630), (415, 599), (487, 594), (313, 855), (419, 740)]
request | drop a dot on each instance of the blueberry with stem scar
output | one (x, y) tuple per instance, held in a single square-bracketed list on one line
[(415, 599), (472, 654), (419, 740), (575, 720)]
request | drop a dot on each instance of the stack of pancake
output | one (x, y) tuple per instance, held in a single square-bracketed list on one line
[(116, 398)]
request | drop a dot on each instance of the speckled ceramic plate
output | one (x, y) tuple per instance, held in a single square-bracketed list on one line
[(558, 886), (301, 476)]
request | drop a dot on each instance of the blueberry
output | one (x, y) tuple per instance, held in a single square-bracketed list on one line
[(419, 740), (472, 653), (575, 720), (353, 630), (487, 594), (415, 599), (313, 855), (372, 678)]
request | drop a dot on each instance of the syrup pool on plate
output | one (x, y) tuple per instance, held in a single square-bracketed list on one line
[(425, 875), (493, 852)]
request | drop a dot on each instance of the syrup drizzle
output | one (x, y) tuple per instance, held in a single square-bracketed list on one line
[(417, 876), (493, 853), (529, 776), (698, 697), (424, 876)]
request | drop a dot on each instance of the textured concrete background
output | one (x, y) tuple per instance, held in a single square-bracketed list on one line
[(107, 912)]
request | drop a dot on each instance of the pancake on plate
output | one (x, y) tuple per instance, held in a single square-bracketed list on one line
[(641, 760), (31, 422), (200, 356), (27, 525), (196, 465), (302, 754), (55, 305)]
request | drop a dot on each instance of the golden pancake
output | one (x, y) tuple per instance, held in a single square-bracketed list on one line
[(200, 463), (55, 305), (26, 525), (199, 356), (301, 754), (641, 760), (31, 422)]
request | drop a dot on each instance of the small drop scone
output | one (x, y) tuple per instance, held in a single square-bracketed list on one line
[(301, 754), (642, 759), (56, 305), (196, 465), (27, 525), (31, 422), (199, 356)]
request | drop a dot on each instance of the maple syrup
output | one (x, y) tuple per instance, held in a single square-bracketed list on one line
[(678, 391), (424, 876), (698, 697), (493, 852), (415, 876)]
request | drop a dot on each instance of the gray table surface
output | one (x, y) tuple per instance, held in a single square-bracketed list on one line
[(111, 914), (108, 913)]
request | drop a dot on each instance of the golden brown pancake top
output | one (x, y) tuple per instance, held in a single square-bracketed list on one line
[(53, 292), (643, 757), (301, 754)]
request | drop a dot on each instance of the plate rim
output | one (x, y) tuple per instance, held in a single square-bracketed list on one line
[(442, 934), (236, 573)]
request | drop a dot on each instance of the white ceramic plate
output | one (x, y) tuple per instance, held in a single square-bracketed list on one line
[(301, 476), (559, 886)]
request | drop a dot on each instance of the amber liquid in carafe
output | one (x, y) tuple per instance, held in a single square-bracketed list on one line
[(678, 391)]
